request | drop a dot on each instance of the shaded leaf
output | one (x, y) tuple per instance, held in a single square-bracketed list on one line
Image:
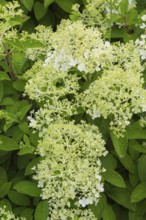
[(109, 161), (128, 163), (3, 176), (66, 5), (139, 193), (48, 2), (32, 164), (41, 211), (18, 198), (27, 188), (28, 4), (120, 144), (108, 213), (19, 84), (4, 76), (8, 144), (114, 178), (4, 189), (142, 168), (39, 10), (122, 197)]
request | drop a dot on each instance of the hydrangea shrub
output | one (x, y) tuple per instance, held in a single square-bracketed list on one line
[(73, 103)]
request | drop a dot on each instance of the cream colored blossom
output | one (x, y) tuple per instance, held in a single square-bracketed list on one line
[(117, 95), (72, 214), (7, 215), (82, 48), (70, 168), (48, 82)]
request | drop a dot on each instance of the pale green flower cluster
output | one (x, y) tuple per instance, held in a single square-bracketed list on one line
[(42, 34), (117, 95), (72, 214), (141, 45), (76, 46), (8, 12), (56, 110), (70, 171), (82, 75), (99, 13), (7, 215), (50, 83), (93, 14)]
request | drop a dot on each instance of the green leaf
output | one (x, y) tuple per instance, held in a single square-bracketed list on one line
[(135, 131), (3, 176), (128, 163), (17, 20), (114, 178), (19, 84), (26, 44), (27, 188), (132, 16), (48, 2), (120, 144), (99, 208), (133, 179), (4, 189), (108, 213), (23, 111), (26, 139), (123, 6), (26, 150), (133, 153), (41, 211), (139, 193), (1, 91), (29, 169), (28, 4), (39, 10), (27, 214), (18, 60), (136, 146), (4, 76), (23, 161), (8, 144), (132, 216), (141, 168), (5, 203), (140, 209), (33, 137), (18, 210), (18, 198), (109, 161), (121, 196), (24, 127), (66, 5), (7, 101)]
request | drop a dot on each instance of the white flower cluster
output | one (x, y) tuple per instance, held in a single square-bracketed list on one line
[(73, 214), (98, 13), (83, 48), (82, 76), (141, 45), (70, 170), (113, 6), (143, 25), (118, 94), (7, 215), (50, 83), (42, 35)]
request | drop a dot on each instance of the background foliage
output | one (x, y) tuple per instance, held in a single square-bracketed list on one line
[(125, 179)]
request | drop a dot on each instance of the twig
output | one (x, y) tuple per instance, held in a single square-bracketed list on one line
[(9, 62)]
